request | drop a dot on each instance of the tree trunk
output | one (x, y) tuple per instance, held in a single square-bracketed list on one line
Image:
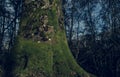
[(45, 47)]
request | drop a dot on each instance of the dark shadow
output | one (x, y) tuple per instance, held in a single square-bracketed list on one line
[(9, 62), (8, 65)]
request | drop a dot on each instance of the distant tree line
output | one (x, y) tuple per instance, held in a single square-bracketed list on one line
[(93, 33), (10, 11)]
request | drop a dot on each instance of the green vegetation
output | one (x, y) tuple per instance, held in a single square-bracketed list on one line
[(51, 58)]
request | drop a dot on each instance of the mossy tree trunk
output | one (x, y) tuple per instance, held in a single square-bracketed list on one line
[(43, 41)]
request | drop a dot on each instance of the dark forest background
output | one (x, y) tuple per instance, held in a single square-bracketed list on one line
[(92, 29), (93, 33)]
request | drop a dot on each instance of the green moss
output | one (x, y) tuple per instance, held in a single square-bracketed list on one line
[(39, 55), (47, 59), (52, 18)]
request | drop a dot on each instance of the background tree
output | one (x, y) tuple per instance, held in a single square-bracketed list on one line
[(10, 11), (98, 33)]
